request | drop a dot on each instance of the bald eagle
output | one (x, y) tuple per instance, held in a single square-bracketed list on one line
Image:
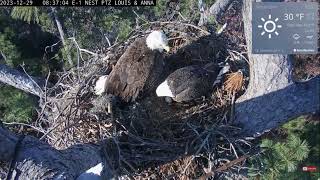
[(138, 70), (190, 82)]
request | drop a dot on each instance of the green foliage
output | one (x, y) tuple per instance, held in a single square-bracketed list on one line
[(69, 50), (118, 22), (15, 105), (46, 22), (310, 131), (20, 43), (90, 26), (284, 158), (125, 27), (33, 14), (7, 48), (23, 43), (189, 8), (15, 57), (209, 2), (27, 14), (160, 8), (212, 20), (295, 126), (108, 22)]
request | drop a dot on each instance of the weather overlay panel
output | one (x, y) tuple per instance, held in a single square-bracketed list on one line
[(285, 28)]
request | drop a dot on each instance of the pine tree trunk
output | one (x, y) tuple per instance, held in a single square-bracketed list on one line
[(272, 98)]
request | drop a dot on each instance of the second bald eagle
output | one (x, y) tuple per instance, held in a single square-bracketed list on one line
[(138, 70), (191, 82)]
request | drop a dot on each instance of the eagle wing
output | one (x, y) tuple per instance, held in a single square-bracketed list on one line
[(189, 83), (185, 77), (136, 71)]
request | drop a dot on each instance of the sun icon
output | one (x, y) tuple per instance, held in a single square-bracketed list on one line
[(269, 26)]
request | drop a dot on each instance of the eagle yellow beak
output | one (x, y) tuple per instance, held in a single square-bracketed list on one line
[(167, 48)]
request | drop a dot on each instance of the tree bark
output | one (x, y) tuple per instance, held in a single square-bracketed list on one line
[(21, 80), (272, 98), (38, 160)]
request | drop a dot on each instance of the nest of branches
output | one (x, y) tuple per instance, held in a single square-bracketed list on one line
[(150, 138)]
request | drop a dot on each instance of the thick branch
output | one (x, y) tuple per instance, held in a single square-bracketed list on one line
[(265, 112), (7, 144), (21, 80), (38, 160)]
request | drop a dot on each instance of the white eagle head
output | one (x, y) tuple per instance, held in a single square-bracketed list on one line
[(157, 40)]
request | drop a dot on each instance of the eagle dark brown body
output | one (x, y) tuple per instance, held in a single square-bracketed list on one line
[(137, 72), (191, 82)]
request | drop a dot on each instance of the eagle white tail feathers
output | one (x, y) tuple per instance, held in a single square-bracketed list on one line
[(100, 87), (94, 173)]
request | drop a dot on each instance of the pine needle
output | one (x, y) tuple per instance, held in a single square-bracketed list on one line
[(234, 82)]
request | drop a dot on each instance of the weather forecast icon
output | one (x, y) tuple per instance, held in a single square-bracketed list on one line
[(269, 26), (285, 27)]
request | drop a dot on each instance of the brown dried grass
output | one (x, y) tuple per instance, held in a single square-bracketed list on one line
[(234, 82)]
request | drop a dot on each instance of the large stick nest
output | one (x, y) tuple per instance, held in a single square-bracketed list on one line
[(150, 131)]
